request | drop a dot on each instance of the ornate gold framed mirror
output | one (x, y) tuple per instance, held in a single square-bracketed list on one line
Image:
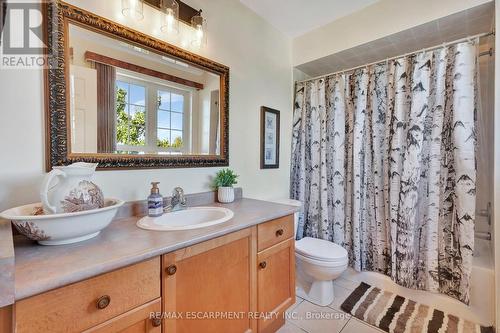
[(126, 100)]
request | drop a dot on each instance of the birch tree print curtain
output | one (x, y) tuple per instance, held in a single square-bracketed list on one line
[(383, 160)]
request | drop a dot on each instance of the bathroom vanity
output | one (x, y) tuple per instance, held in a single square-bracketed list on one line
[(237, 276)]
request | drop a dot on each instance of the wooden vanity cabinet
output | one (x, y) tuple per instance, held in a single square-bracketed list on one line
[(275, 272), (246, 274), (225, 284), (210, 287)]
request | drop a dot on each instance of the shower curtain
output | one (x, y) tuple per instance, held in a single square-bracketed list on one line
[(383, 160)]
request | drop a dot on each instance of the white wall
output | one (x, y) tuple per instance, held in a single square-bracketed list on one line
[(299, 75), (260, 61), (485, 134), (381, 19)]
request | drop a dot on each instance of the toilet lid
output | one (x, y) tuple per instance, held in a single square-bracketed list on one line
[(320, 249)]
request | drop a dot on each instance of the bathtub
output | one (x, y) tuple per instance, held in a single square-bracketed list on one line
[(481, 308)]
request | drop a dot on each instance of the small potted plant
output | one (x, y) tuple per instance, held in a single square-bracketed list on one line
[(223, 182)]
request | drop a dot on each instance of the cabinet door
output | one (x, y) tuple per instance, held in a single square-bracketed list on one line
[(210, 287), (138, 320), (6, 319), (276, 284)]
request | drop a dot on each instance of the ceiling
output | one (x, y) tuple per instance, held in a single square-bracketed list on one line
[(296, 17), (476, 20)]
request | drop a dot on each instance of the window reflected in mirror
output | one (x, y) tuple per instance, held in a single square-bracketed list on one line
[(128, 100)]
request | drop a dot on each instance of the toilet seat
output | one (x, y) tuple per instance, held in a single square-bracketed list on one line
[(321, 251), (321, 263)]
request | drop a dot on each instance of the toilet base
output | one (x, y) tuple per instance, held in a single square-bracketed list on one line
[(318, 292)]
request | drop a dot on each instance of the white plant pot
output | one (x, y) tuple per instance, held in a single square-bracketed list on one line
[(225, 194)]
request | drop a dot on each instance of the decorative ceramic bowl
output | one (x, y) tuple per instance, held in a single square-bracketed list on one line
[(59, 229)]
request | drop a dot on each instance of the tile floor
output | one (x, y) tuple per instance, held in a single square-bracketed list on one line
[(304, 316)]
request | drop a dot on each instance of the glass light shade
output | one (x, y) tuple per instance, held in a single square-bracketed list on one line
[(170, 16), (133, 9), (199, 25)]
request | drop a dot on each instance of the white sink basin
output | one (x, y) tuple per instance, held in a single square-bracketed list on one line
[(190, 218)]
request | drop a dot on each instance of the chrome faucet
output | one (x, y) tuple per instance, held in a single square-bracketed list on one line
[(178, 201)]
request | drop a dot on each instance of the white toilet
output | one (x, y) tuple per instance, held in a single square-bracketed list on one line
[(318, 262)]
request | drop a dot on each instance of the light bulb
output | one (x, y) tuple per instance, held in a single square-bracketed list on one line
[(199, 24), (170, 20), (199, 32), (170, 16), (133, 9), (171, 24)]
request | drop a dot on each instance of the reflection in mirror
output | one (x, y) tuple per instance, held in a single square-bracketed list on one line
[(128, 100)]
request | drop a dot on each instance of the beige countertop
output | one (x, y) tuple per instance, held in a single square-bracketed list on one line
[(42, 268)]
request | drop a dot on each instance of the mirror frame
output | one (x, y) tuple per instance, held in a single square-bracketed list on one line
[(58, 141)]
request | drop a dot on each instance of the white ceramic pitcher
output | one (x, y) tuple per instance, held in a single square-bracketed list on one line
[(74, 191)]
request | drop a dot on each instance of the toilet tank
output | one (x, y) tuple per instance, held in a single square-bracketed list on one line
[(291, 202)]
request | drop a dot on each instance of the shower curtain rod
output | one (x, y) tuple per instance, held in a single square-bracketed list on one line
[(484, 34)]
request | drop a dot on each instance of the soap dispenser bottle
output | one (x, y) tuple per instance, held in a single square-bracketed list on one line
[(155, 201)]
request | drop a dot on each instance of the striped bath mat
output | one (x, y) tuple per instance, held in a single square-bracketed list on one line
[(393, 313)]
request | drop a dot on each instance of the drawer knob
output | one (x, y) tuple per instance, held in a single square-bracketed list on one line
[(263, 264), (156, 322), (279, 232), (171, 270), (103, 302)]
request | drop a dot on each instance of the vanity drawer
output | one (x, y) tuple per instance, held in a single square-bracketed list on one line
[(137, 320), (275, 231), (85, 304)]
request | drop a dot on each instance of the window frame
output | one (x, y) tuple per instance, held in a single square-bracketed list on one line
[(153, 87), (121, 147), (186, 119)]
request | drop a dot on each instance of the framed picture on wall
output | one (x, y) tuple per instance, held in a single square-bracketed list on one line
[(269, 138)]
